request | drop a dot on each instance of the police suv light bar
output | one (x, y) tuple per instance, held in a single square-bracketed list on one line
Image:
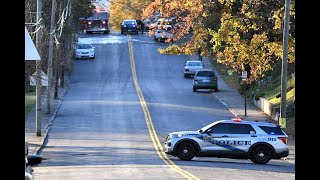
[(236, 119)]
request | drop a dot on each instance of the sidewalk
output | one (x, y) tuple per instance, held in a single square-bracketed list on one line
[(36, 142), (235, 103)]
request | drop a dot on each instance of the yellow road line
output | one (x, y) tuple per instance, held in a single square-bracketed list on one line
[(154, 137)]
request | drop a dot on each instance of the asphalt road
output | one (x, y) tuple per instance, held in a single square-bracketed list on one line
[(118, 110)]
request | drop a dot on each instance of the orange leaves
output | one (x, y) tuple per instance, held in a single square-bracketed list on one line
[(150, 9), (126, 9), (239, 32)]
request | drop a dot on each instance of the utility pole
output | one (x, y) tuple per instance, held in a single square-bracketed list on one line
[(66, 46), (282, 119), (49, 71), (56, 83), (38, 70)]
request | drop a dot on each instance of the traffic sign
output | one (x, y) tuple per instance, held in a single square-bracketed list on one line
[(44, 79), (244, 75)]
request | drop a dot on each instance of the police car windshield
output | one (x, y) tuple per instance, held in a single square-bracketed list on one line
[(206, 127)]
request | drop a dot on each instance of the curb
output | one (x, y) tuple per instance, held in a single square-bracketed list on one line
[(47, 128), (225, 104)]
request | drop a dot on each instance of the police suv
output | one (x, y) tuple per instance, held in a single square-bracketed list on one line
[(257, 141)]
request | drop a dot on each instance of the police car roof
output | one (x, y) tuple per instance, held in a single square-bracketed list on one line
[(249, 122)]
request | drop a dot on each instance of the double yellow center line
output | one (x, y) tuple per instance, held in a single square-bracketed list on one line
[(154, 137)]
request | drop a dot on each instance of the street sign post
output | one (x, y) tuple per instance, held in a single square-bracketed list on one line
[(244, 77)]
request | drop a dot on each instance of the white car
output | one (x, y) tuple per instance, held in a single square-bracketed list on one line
[(84, 50), (163, 35), (192, 67)]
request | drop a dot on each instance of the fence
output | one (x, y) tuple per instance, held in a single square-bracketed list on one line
[(273, 88)]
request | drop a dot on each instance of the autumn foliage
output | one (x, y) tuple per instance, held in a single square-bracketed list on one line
[(125, 9), (236, 32)]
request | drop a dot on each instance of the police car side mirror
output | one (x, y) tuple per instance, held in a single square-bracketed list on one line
[(252, 132), (34, 159), (209, 131)]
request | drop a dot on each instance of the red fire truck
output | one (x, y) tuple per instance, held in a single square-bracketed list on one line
[(98, 22)]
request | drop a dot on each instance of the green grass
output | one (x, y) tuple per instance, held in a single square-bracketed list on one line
[(276, 101), (275, 88), (30, 100)]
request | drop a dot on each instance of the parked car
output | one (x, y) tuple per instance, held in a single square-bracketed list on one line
[(130, 26), (192, 67), (162, 35), (258, 141), (84, 50), (205, 79), (29, 161)]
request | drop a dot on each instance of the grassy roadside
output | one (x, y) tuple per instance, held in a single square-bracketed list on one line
[(29, 102), (276, 101)]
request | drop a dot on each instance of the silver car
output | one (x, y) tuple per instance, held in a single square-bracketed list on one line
[(257, 141), (192, 67), (205, 79), (163, 35)]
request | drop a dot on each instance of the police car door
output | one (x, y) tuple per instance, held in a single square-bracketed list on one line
[(229, 138), (240, 138), (215, 138)]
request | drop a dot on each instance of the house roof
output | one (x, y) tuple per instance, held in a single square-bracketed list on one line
[(31, 52)]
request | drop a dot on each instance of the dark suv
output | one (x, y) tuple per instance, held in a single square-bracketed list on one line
[(205, 79), (130, 26)]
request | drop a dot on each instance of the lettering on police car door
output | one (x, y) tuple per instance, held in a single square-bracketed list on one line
[(227, 142)]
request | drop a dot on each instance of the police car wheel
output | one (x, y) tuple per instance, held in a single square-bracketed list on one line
[(186, 151), (261, 155)]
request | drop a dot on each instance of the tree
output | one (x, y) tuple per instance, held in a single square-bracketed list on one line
[(125, 9), (237, 32), (71, 10)]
